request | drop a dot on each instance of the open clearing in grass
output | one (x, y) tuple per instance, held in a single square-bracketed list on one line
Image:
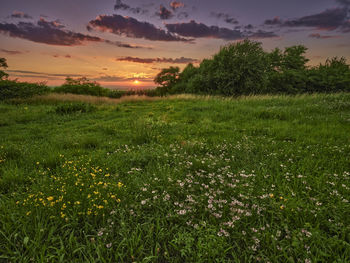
[(176, 180)]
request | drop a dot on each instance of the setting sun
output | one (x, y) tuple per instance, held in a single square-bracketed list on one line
[(136, 82)]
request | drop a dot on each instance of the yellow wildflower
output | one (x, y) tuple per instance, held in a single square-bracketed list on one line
[(271, 195), (50, 198)]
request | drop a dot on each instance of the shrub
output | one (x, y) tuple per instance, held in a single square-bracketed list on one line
[(70, 108), (82, 86), (12, 89), (333, 76), (116, 94)]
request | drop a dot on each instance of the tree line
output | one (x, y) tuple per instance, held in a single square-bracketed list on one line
[(244, 68)]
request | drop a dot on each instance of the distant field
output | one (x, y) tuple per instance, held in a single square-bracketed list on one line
[(184, 179)]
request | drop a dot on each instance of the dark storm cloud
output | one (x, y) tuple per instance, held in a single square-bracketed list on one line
[(51, 33), (175, 5), (131, 27), (319, 36), (11, 52), (330, 19), (17, 14), (181, 60), (119, 5), (225, 17), (164, 13)]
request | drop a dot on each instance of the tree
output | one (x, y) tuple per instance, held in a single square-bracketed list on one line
[(167, 77), (3, 64)]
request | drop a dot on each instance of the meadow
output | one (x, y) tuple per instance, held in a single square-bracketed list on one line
[(175, 179)]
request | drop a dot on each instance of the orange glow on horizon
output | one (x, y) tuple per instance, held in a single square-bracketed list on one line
[(136, 82)]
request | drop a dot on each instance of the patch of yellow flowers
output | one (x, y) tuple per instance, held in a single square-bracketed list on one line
[(74, 188)]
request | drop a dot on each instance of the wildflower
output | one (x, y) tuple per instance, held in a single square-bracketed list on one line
[(282, 207), (37, 163), (100, 207), (271, 195), (108, 245), (50, 198), (28, 213)]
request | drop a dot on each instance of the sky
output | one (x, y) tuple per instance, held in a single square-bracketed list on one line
[(125, 43)]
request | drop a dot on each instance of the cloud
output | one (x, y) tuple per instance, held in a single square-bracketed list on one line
[(119, 5), (225, 17), (181, 60), (125, 45), (63, 56), (200, 30), (182, 15), (164, 13), (175, 5), (108, 78), (343, 2), (261, 34), (40, 74), (319, 36), (11, 52), (131, 27), (275, 21), (18, 14), (54, 33), (330, 19), (51, 33)]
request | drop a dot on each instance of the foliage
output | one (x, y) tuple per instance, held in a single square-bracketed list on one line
[(82, 86), (257, 179), (245, 68), (13, 89), (167, 77), (70, 108), (3, 64), (332, 76)]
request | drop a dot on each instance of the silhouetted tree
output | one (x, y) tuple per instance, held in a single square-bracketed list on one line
[(3, 64), (167, 77)]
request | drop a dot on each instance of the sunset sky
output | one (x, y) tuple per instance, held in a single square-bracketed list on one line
[(116, 42)]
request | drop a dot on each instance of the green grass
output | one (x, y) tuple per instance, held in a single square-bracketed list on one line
[(257, 179)]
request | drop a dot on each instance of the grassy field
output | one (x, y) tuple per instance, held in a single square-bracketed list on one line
[(185, 179)]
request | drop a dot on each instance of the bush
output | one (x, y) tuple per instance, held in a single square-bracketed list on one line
[(82, 86), (12, 89), (333, 76), (70, 108), (116, 94)]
